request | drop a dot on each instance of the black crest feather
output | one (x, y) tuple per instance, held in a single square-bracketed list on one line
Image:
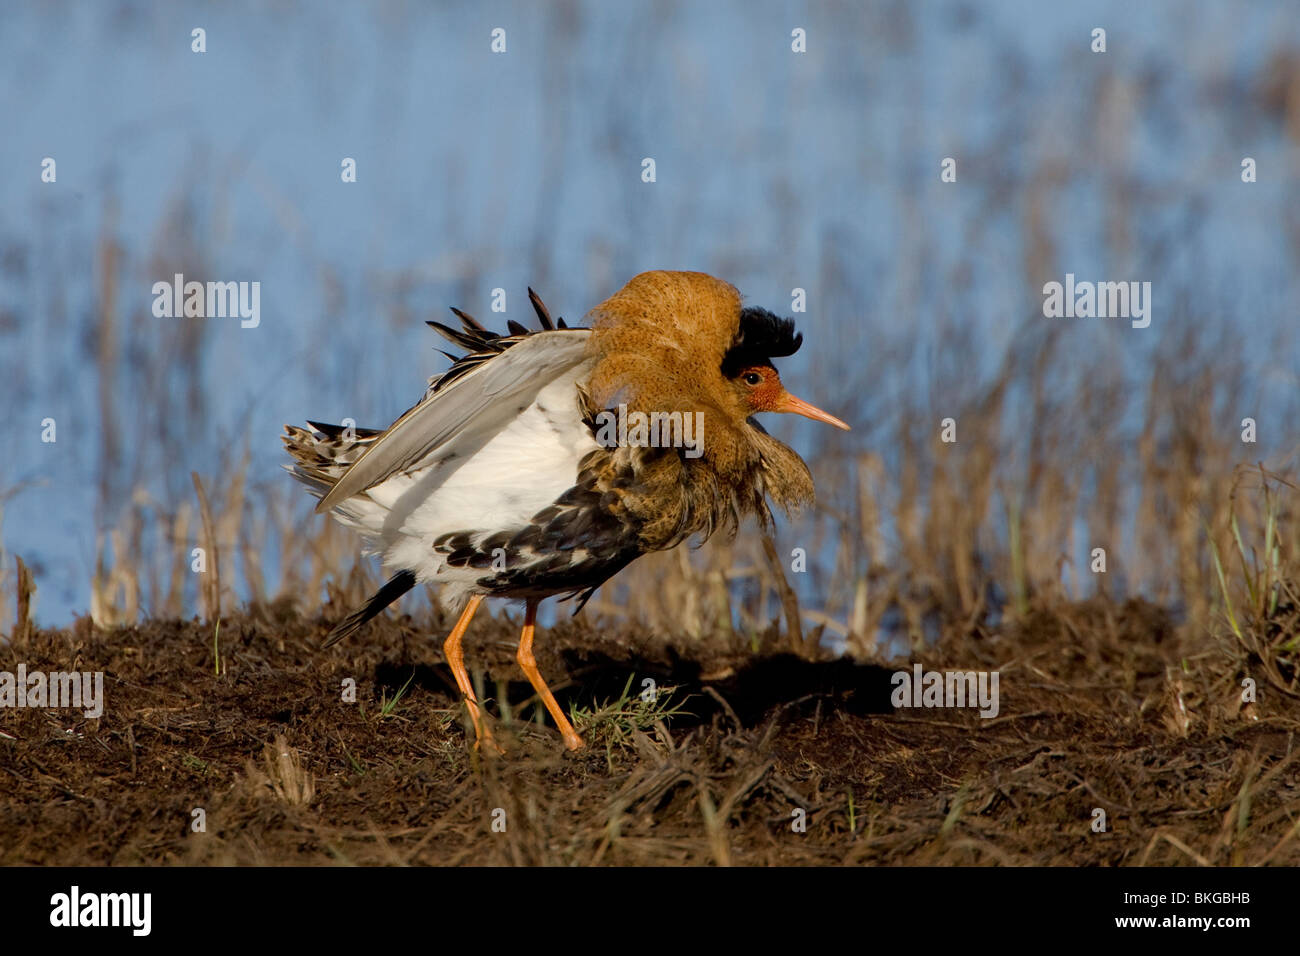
[(762, 336)]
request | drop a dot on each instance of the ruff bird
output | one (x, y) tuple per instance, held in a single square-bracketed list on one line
[(543, 461)]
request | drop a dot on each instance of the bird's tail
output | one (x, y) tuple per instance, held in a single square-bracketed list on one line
[(322, 454), (401, 582)]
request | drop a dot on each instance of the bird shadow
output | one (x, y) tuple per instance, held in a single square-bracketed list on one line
[(751, 690)]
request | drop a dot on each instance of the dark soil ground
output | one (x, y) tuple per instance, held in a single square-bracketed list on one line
[(1103, 708)]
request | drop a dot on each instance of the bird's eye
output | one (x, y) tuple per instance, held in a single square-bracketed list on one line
[(752, 378)]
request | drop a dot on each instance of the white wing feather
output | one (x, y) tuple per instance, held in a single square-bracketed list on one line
[(468, 411)]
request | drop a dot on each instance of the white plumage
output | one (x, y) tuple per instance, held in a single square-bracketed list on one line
[(509, 439)]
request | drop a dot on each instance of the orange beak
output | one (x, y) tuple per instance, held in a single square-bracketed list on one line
[(788, 403)]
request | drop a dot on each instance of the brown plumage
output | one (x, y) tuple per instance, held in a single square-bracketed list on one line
[(501, 481), (659, 344)]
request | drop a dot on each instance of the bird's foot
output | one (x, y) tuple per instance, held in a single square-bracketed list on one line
[(482, 730), (483, 734), (493, 749)]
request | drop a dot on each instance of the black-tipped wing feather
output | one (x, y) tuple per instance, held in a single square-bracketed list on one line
[(400, 583)]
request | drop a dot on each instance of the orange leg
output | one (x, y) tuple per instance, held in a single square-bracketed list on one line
[(526, 661), (456, 660)]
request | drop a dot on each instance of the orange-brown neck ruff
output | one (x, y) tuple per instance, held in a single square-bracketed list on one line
[(659, 345)]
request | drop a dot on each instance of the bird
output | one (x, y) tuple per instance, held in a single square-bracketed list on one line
[(544, 461)]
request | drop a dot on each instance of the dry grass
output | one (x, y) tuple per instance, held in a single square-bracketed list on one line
[(1105, 708)]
